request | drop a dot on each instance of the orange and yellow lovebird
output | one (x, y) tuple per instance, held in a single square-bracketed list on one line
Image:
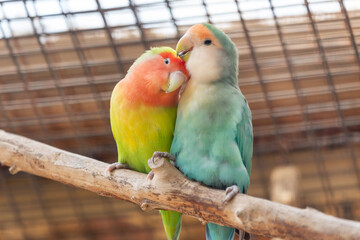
[(143, 112)]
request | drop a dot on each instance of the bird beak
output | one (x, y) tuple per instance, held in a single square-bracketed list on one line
[(175, 80), (184, 48)]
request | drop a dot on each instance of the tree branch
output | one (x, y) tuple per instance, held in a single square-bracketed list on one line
[(170, 190)]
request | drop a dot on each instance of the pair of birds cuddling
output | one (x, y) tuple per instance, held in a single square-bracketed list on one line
[(208, 130)]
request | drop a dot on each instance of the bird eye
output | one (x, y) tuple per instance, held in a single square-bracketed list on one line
[(207, 42), (167, 61)]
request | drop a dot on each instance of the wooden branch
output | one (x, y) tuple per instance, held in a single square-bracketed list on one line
[(170, 190)]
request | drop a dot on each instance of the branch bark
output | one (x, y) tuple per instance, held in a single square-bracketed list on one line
[(170, 190)]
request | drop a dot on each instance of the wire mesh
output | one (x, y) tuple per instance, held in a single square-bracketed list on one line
[(298, 67)]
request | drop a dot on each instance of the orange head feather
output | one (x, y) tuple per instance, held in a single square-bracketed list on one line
[(146, 79)]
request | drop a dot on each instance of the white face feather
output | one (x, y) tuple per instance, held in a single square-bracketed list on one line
[(203, 64)]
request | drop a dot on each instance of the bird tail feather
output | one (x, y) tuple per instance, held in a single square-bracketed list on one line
[(172, 224), (218, 232)]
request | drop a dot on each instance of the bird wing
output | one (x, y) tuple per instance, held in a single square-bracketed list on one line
[(244, 137)]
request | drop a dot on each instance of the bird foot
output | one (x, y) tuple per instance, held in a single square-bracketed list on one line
[(244, 235), (150, 175), (167, 155), (241, 234), (247, 236), (230, 194), (116, 165)]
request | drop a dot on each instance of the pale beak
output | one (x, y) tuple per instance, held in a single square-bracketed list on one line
[(184, 47), (175, 80)]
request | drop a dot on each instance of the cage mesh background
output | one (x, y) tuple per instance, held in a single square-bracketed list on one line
[(59, 61)]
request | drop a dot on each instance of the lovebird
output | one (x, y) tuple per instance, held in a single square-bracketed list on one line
[(143, 113), (213, 139)]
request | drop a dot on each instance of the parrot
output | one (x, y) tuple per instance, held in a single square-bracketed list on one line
[(143, 110), (213, 138)]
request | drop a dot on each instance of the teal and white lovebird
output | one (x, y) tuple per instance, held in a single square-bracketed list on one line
[(213, 139)]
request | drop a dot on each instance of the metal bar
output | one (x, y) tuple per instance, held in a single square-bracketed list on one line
[(261, 81), (300, 144), (139, 25), (290, 25), (264, 181), (100, 104), (149, 5), (207, 12), (49, 221), (111, 78), (69, 66), (81, 12), (79, 213), (4, 114), (317, 156), (11, 203), (135, 42), (107, 205), (313, 108), (52, 73), (115, 51), (173, 18), (334, 94), (349, 27), (22, 77)]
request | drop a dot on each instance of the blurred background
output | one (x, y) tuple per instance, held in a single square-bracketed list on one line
[(298, 67)]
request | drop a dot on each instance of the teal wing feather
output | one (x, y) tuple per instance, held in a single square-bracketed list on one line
[(244, 137)]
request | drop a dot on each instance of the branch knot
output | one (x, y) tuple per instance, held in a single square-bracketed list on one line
[(156, 162)]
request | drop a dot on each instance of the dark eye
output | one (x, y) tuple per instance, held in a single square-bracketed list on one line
[(167, 61), (207, 42)]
